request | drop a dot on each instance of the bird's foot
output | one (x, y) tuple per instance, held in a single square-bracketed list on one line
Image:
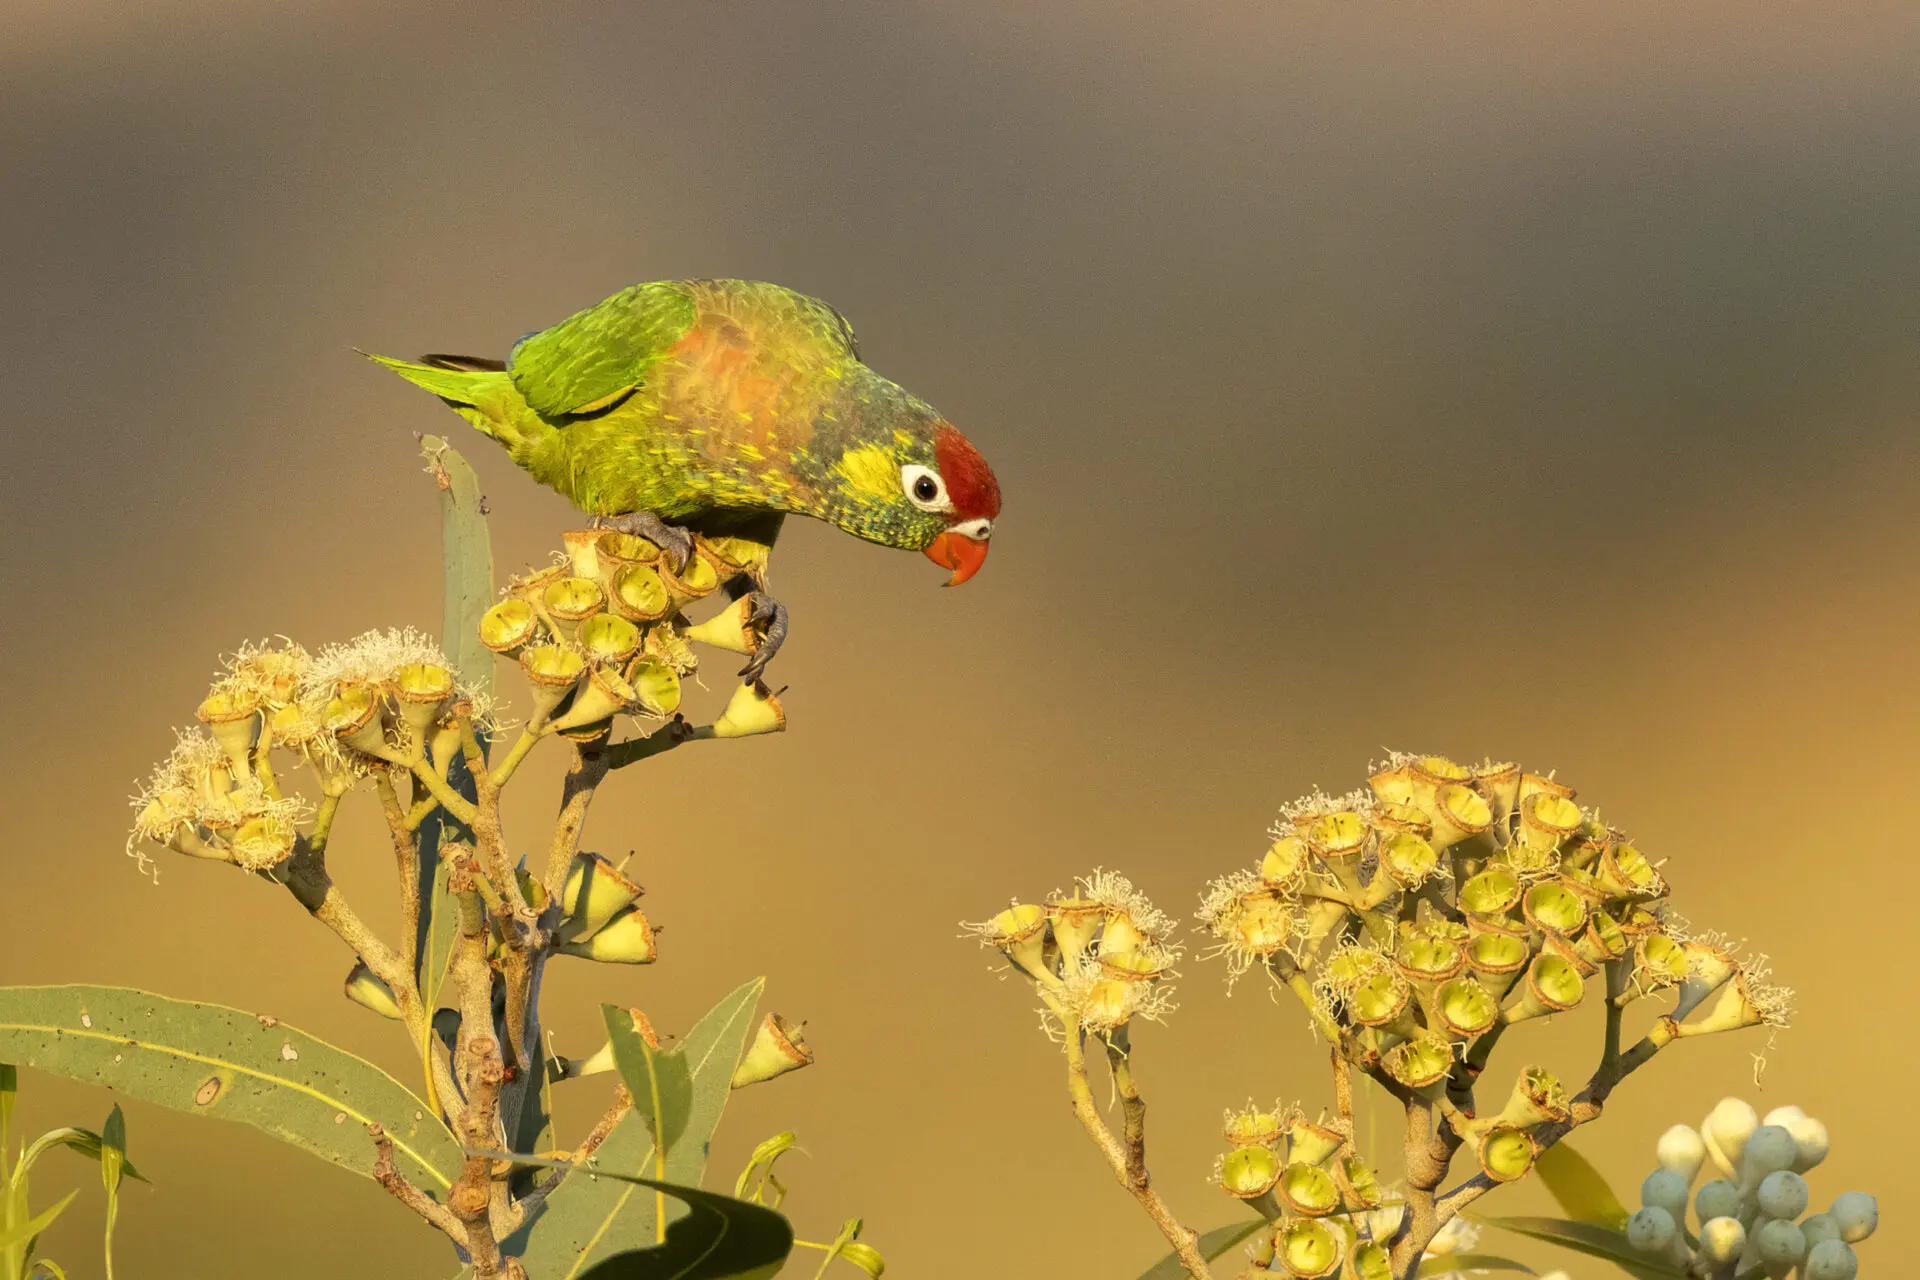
[(769, 617), (675, 540)]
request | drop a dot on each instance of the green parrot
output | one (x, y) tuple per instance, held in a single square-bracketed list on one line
[(723, 406)]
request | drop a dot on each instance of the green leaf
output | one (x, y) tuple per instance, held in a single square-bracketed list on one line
[(588, 1218), (466, 564), (9, 1089), (658, 1079), (1584, 1237), (24, 1233), (1450, 1263), (209, 1060), (84, 1141), (113, 1163), (1580, 1188), (720, 1239), (1216, 1243)]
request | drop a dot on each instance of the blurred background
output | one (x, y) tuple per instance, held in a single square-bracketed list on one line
[(1482, 378)]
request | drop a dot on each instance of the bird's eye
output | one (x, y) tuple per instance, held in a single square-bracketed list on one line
[(924, 486)]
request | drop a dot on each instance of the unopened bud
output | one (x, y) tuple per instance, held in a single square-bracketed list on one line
[(1652, 1230), (1681, 1152), (369, 992), (1716, 1199), (626, 939), (1726, 1130), (777, 1048), (1857, 1214), (1665, 1189), (1779, 1244), (1722, 1238), (1830, 1260), (1783, 1193)]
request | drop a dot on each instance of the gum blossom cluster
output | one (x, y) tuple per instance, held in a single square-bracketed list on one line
[(1417, 919), (599, 635), (1750, 1217)]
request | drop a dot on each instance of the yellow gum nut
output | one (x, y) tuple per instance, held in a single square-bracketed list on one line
[(656, 686), (1465, 1008), (1493, 892), (731, 556), (1120, 933), (552, 670), (1500, 784), (730, 629), (1636, 921), (625, 939), (751, 710), (369, 992), (1017, 923), (1107, 1004), (1338, 835), (1284, 862), (1552, 907), (1254, 1128), (1264, 924), (165, 813), (1133, 966), (1370, 1261), (639, 594), (262, 842), (1547, 819), (1426, 959), (1379, 1000), (603, 695), (1308, 1190), (420, 689), (1394, 786), (1496, 961), (1536, 784), (1624, 872), (573, 599), (1075, 922), (1459, 813), (353, 716), (1390, 817), (234, 719), (1359, 1185), (1707, 968), (1312, 1144), (777, 1048), (1736, 1008), (582, 550), (1506, 1154), (1554, 944), (1579, 854), (1552, 985), (1601, 941), (595, 892), (613, 551), (1537, 1099), (1308, 1248), (1658, 962), (1408, 859), (608, 638), (508, 625), (1249, 1172), (1420, 1064), (695, 581)]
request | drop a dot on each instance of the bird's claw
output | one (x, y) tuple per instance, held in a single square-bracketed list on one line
[(768, 616), (674, 541)]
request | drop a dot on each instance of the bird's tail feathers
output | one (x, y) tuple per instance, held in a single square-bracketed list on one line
[(460, 380)]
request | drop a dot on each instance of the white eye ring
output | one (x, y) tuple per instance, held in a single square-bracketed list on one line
[(979, 530), (924, 487)]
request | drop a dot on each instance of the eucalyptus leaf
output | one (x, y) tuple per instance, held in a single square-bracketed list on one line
[(210, 1060), (1580, 1188), (113, 1164), (658, 1079), (720, 1239), (1584, 1237), (25, 1233), (588, 1217), (1216, 1243)]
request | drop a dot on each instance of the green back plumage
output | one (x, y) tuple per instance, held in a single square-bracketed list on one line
[(705, 401)]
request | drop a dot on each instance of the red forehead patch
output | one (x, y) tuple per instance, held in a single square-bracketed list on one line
[(970, 483)]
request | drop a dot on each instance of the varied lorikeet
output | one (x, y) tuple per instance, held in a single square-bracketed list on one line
[(725, 406)]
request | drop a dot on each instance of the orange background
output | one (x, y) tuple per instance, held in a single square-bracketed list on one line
[(1473, 378)]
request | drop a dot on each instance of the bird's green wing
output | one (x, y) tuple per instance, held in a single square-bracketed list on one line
[(592, 358)]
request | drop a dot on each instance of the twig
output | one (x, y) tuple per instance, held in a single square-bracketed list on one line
[(633, 750), (473, 1195), (387, 1175), (406, 856), (622, 1103), (1185, 1242), (589, 768)]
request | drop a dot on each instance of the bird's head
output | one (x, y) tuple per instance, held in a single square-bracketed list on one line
[(932, 492)]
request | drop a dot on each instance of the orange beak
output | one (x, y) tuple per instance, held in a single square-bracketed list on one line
[(959, 553)]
